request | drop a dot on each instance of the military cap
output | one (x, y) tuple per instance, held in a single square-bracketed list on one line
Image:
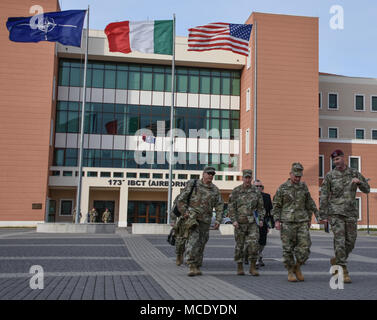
[(208, 169), (247, 173), (297, 168), (337, 153)]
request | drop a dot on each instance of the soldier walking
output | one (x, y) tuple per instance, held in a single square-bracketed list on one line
[(292, 210), (338, 205), (198, 215), (106, 216), (181, 235), (93, 215), (244, 202)]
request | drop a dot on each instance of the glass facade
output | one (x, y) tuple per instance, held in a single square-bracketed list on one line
[(128, 76)]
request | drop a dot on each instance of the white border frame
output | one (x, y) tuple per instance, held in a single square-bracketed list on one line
[(371, 98), (322, 157), (359, 129), (359, 161), (320, 100), (60, 207), (360, 212), (354, 102), (337, 132), (371, 133), (328, 101)]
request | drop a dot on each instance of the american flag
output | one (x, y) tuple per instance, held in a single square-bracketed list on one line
[(220, 36)]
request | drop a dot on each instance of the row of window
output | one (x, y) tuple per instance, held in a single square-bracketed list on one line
[(120, 119), (333, 133), (127, 76), (149, 159), (359, 102)]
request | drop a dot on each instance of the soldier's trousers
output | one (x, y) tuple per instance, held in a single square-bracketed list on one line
[(247, 242), (180, 245), (198, 237), (345, 233), (295, 237)]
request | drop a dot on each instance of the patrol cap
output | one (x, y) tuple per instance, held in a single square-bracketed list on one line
[(337, 153), (247, 173), (297, 169), (209, 169)]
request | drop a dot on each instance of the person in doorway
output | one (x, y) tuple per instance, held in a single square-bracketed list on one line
[(106, 216)]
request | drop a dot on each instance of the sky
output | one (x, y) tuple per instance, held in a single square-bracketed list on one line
[(349, 49)]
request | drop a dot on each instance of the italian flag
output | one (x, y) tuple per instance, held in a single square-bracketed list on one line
[(143, 36)]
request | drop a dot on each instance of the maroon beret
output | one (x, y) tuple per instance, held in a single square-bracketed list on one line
[(337, 153)]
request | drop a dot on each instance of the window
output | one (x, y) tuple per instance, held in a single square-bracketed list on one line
[(66, 207), (374, 134), (359, 102), (320, 133), (359, 133), (354, 162), (320, 100), (248, 59), (332, 165), (373, 103), (248, 99), (247, 141), (358, 207), (333, 133), (333, 101), (321, 166)]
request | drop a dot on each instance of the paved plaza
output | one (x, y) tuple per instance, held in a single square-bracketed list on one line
[(123, 266)]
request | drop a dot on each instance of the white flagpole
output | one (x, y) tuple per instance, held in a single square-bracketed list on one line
[(78, 195), (171, 128)]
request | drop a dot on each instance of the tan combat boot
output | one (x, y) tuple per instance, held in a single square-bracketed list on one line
[(179, 259), (197, 271), (192, 271), (346, 276), (297, 271), (253, 268), (291, 275), (240, 271)]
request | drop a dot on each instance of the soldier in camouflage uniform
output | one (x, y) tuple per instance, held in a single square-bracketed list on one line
[(106, 216), (74, 216), (244, 200), (198, 215), (338, 205), (93, 215), (292, 210)]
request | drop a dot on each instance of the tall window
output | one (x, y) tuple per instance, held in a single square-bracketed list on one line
[(320, 133), (355, 162), (320, 100), (358, 207), (333, 101), (333, 133), (373, 103), (359, 102), (66, 207), (248, 102), (248, 59), (359, 133), (374, 134), (247, 141), (321, 166)]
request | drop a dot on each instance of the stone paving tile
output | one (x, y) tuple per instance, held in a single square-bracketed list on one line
[(69, 250), (67, 241)]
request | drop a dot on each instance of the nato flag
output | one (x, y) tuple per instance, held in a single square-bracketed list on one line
[(64, 27)]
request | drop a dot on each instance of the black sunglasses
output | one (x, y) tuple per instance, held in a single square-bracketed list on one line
[(260, 186), (211, 173)]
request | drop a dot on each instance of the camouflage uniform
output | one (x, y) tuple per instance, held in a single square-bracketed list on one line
[(293, 206), (106, 216), (180, 234), (338, 205), (74, 216), (242, 204), (203, 199), (93, 215)]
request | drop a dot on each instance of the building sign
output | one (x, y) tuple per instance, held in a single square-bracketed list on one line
[(146, 183)]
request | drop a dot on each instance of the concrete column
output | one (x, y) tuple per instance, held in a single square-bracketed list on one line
[(123, 206), (85, 189)]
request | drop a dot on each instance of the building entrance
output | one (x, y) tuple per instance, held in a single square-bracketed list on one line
[(101, 206), (146, 212)]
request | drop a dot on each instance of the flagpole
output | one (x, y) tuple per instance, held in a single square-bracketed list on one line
[(171, 128), (78, 196), (255, 104)]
